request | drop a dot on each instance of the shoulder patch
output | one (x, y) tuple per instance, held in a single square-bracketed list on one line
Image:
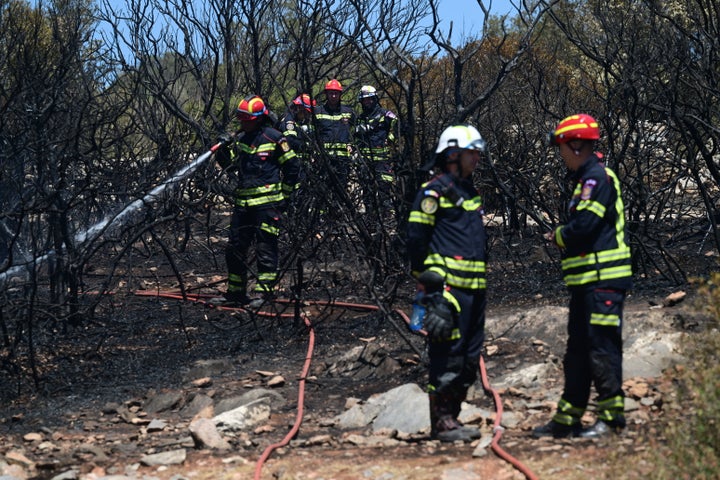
[(290, 126), (587, 188), (284, 145), (429, 205)]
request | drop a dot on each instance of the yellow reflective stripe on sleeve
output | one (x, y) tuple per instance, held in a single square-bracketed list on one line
[(451, 298), (287, 188), (289, 155), (592, 206), (420, 217), (619, 207), (558, 237), (469, 205), (265, 147)]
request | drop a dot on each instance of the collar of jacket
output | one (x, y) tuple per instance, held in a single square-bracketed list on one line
[(589, 162)]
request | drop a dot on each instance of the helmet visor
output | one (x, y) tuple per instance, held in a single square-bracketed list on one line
[(478, 145)]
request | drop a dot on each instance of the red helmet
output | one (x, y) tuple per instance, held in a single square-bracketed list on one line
[(333, 85), (251, 108), (305, 102), (575, 127)]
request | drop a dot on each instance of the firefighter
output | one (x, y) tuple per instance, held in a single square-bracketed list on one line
[(267, 171), (296, 125), (597, 270), (446, 242), (334, 123), (376, 134)]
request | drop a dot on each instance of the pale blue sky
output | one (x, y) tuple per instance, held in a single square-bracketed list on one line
[(467, 16)]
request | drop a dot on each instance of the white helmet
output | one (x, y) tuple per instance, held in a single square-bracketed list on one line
[(461, 136), (367, 91)]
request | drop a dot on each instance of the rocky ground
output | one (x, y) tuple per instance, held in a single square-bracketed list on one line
[(138, 395)]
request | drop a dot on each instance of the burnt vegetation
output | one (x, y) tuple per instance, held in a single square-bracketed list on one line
[(101, 104)]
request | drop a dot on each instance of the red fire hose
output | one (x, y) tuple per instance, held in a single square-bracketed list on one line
[(497, 428)]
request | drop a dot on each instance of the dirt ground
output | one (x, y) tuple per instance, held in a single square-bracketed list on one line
[(139, 345), (149, 344)]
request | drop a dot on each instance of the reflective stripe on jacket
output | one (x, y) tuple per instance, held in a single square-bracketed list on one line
[(446, 232), (334, 129), (267, 168), (595, 251), (299, 135), (376, 132)]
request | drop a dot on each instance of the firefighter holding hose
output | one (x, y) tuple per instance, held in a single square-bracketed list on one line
[(268, 171)]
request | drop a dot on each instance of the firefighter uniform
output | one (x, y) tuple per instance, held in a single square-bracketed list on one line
[(446, 235), (333, 133), (596, 265), (376, 136), (296, 125), (267, 171), (299, 135)]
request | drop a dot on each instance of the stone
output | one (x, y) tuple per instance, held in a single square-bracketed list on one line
[(674, 298), (206, 435), (171, 457), (244, 417), (163, 401)]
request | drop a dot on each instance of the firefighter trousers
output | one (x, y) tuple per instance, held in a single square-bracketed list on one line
[(248, 225), (594, 353), (454, 364)]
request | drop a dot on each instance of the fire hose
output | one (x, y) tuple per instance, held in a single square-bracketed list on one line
[(497, 427), (109, 225)]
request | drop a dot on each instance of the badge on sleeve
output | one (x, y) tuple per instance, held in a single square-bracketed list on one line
[(284, 145), (429, 205), (587, 188)]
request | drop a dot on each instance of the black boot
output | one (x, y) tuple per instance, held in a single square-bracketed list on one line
[(602, 429), (444, 425), (557, 430), (230, 299)]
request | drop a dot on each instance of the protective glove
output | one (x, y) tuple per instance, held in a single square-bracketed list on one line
[(441, 317), (225, 138)]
